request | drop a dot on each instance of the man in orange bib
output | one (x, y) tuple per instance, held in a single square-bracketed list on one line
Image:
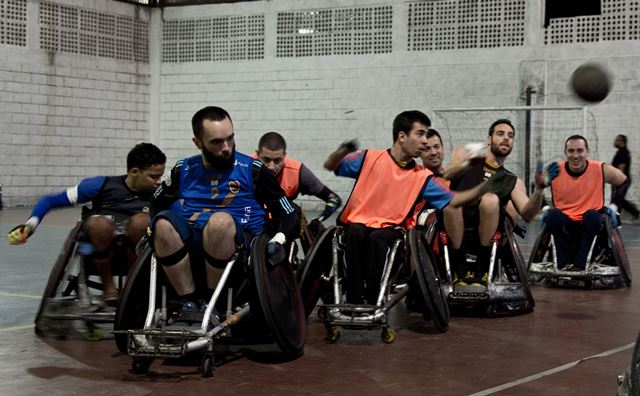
[(389, 183), (293, 176), (577, 195)]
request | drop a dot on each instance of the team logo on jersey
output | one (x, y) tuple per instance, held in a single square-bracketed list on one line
[(234, 187)]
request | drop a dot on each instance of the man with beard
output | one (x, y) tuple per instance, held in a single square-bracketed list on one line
[(222, 195), (488, 213), (388, 185), (117, 203), (578, 196)]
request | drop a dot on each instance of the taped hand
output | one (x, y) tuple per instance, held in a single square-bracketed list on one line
[(19, 234), (275, 250)]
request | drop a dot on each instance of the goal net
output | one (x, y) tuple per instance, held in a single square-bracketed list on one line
[(540, 132)]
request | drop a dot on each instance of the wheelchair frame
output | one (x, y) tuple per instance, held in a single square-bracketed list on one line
[(68, 307), (595, 270), (324, 280), (157, 340), (501, 295)]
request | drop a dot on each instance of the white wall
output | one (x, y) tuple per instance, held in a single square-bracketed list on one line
[(66, 115)]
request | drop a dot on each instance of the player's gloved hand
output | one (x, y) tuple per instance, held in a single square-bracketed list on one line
[(330, 207), (351, 145), (500, 183), (275, 249), (476, 153), (545, 175), (19, 234)]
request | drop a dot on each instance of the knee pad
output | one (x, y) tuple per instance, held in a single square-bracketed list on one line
[(174, 258), (214, 262)]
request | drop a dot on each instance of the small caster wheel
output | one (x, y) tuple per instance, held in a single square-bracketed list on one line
[(589, 284), (141, 365), (491, 311), (322, 313), (388, 336), (333, 335), (207, 366)]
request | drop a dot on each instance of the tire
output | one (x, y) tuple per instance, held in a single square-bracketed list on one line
[(134, 301), (635, 370), (518, 261), (617, 247), (317, 264), (58, 270), (423, 261), (540, 246)]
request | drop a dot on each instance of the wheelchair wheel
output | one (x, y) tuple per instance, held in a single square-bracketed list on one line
[(54, 287), (428, 278), (315, 269), (280, 300), (634, 383), (518, 262), (134, 301), (541, 247), (617, 248)]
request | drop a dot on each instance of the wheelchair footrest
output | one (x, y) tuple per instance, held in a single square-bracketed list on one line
[(162, 343), (355, 315), (468, 296)]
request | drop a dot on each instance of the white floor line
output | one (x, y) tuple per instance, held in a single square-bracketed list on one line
[(29, 296), (551, 371), (14, 328)]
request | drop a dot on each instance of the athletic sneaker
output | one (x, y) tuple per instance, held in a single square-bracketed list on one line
[(458, 280)]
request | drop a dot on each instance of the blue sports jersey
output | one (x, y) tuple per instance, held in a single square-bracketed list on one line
[(231, 191)]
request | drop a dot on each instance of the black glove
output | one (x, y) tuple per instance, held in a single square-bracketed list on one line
[(501, 183), (330, 207), (351, 145), (275, 250)]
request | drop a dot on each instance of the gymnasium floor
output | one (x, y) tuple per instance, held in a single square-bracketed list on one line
[(575, 342)]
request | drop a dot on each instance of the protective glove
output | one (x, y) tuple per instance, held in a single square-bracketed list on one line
[(19, 234), (476, 153), (330, 207), (501, 183), (275, 250), (545, 175), (351, 145)]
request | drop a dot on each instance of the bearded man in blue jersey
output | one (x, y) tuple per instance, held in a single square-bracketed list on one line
[(223, 194)]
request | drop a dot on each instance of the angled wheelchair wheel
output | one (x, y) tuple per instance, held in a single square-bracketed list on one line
[(541, 247), (315, 270), (518, 262), (55, 286), (617, 248), (134, 300), (634, 383), (428, 278), (280, 300)]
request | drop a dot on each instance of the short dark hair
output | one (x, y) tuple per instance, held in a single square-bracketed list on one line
[(501, 121), (432, 132), (211, 113), (272, 141), (145, 155), (404, 122), (624, 139), (576, 137)]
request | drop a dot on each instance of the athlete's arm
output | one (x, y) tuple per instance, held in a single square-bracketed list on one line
[(270, 194), (333, 161), (311, 185), (527, 207), (613, 176), (167, 193)]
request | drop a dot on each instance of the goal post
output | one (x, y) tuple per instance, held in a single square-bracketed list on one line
[(540, 132)]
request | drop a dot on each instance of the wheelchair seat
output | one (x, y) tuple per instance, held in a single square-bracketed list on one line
[(71, 304), (607, 262), (254, 299)]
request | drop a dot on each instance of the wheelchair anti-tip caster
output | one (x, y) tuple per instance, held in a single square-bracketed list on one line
[(388, 336), (333, 335), (141, 365), (207, 366)]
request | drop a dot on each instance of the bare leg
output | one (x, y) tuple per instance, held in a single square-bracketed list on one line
[(100, 232), (454, 225), (218, 241), (136, 229), (489, 212), (166, 242)]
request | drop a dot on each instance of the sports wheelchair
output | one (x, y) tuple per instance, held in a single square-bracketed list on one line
[(258, 301), (409, 264), (71, 303), (607, 260), (629, 381), (506, 291)]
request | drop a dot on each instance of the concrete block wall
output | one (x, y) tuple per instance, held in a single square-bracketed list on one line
[(317, 102), (66, 116)]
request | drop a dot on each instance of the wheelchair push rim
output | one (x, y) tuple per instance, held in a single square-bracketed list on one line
[(317, 265), (428, 279), (280, 300)]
